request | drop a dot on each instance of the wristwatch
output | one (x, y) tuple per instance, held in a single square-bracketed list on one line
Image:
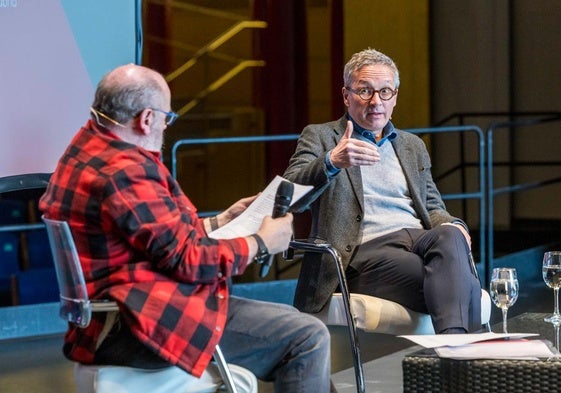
[(262, 252)]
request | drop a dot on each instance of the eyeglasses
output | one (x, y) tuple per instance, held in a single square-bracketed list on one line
[(171, 117), (366, 93)]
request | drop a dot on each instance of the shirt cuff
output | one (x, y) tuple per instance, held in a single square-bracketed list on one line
[(332, 170), (460, 222)]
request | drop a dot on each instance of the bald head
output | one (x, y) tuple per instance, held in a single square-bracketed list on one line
[(131, 74), (125, 91)]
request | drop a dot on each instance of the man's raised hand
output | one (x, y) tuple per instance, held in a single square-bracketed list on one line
[(353, 152)]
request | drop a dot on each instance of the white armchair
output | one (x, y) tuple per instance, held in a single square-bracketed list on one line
[(371, 314)]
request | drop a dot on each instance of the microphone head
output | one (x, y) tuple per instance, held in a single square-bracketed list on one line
[(284, 193)]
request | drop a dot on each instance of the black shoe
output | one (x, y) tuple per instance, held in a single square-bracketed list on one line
[(454, 330)]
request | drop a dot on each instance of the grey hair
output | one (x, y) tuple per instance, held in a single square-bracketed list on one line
[(124, 100), (368, 57)]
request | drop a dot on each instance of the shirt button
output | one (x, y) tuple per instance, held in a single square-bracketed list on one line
[(348, 248), (220, 296), (219, 274), (358, 218), (218, 328)]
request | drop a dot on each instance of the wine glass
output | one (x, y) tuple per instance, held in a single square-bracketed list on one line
[(504, 290), (551, 271)]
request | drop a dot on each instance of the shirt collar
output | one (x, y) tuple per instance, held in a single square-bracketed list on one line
[(388, 133), (92, 125), (98, 128)]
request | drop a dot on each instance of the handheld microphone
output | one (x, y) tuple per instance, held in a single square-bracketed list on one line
[(283, 198)]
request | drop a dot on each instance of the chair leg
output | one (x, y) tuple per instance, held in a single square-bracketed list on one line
[(224, 370), (353, 336), (355, 346)]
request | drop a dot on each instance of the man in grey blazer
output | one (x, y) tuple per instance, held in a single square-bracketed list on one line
[(375, 201)]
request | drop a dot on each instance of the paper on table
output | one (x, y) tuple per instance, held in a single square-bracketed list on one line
[(250, 220), (441, 340), (498, 349)]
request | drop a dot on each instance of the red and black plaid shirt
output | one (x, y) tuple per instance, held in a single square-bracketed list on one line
[(141, 243)]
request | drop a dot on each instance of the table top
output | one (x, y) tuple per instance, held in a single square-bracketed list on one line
[(531, 323), (523, 323), (425, 371)]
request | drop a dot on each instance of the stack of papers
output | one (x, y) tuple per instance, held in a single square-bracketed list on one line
[(485, 346), (250, 220)]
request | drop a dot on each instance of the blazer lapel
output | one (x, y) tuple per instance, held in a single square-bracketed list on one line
[(353, 173)]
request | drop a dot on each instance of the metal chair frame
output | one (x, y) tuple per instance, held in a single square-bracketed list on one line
[(326, 248)]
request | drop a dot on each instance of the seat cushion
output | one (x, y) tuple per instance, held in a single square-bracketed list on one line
[(117, 379), (376, 315)]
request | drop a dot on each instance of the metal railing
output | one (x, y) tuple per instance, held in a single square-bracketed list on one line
[(545, 117), (478, 194)]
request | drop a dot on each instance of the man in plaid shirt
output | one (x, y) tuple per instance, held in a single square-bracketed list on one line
[(142, 244)]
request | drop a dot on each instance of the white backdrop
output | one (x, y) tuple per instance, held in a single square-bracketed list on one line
[(52, 54)]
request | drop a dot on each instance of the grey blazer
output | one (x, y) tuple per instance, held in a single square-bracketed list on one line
[(337, 207)]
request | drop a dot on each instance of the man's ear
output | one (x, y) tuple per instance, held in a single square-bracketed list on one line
[(345, 94), (144, 121)]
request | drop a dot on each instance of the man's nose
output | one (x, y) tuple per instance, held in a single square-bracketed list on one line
[(375, 98)]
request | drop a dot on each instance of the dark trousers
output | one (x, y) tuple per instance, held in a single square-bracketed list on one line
[(425, 270)]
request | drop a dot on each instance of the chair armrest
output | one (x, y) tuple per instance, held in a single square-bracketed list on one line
[(307, 245), (103, 305)]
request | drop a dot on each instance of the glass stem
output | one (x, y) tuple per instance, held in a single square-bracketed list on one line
[(504, 310), (556, 301)]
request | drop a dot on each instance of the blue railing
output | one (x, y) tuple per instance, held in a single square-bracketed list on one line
[(478, 194), (512, 125)]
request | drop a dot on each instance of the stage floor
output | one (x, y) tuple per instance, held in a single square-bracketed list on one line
[(37, 364)]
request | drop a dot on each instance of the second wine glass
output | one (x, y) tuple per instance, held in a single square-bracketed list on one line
[(551, 269), (504, 290)]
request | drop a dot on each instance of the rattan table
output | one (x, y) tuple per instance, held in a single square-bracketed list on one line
[(424, 371)]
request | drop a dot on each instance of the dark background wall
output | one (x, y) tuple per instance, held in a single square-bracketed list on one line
[(502, 56), (490, 59)]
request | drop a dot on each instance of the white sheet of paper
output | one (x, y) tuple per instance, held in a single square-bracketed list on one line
[(250, 220), (498, 349), (441, 340)]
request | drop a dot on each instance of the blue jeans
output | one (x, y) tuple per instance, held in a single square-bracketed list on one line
[(274, 341), (278, 343)]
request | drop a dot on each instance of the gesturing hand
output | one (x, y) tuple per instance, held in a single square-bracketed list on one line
[(353, 152)]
